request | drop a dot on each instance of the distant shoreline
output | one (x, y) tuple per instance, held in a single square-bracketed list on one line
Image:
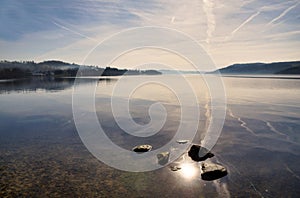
[(276, 68), (28, 69), (274, 76), (54, 68)]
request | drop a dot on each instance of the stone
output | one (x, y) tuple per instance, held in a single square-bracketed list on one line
[(175, 168), (198, 153), (211, 171), (142, 148), (182, 141), (163, 158)]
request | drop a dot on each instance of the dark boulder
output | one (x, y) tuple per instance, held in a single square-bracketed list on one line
[(211, 171), (198, 153)]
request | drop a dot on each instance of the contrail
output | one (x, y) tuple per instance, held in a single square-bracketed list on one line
[(283, 13), (211, 23), (245, 22), (68, 29)]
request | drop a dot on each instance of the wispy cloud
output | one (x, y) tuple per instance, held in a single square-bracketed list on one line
[(283, 35), (69, 29)]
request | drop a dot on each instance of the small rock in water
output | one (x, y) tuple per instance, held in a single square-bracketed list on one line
[(198, 153), (211, 171), (175, 168), (142, 148), (182, 141), (163, 157)]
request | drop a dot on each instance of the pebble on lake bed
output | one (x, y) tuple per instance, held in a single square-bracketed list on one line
[(182, 141), (175, 168), (142, 148), (163, 158), (211, 171)]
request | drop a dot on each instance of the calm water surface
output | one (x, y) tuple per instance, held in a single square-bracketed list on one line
[(42, 155)]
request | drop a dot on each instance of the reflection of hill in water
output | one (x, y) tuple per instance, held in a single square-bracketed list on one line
[(43, 84)]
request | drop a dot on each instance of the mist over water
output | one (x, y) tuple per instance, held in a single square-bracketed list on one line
[(42, 154)]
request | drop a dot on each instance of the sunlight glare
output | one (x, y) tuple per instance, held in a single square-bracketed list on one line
[(189, 171)]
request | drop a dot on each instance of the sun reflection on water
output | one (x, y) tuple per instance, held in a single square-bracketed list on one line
[(189, 170)]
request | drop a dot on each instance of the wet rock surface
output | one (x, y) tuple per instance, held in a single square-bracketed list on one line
[(198, 153), (142, 148), (212, 171)]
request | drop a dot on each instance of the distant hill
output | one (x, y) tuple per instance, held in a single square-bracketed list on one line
[(169, 71), (290, 68), (24, 69), (57, 65)]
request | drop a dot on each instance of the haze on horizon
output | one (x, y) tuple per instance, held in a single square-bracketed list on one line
[(233, 31)]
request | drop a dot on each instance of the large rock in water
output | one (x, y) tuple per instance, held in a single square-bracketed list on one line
[(211, 171), (198, 153)]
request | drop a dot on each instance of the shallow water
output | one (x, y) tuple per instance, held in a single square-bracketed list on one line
[(43, 155)]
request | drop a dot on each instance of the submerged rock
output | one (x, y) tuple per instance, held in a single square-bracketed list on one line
[(198, 153), (211, 171), (142, 148), (182, 141), (175, 168), (163, 157)]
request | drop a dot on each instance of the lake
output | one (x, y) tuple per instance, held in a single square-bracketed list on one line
[(42, 154)]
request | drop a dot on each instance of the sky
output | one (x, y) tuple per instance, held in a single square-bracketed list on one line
[(231, 31)]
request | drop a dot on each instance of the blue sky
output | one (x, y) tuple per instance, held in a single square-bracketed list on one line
[(229, 31)]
